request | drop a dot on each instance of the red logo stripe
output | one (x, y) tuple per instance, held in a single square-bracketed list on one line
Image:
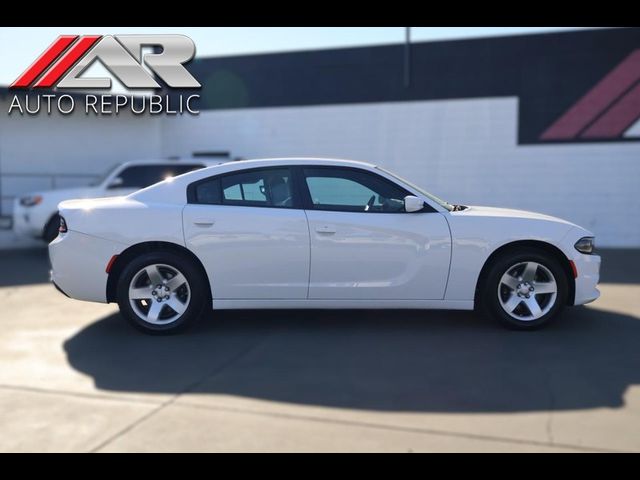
[(43, 61), (67, 61), (618, 118), (597, 100)]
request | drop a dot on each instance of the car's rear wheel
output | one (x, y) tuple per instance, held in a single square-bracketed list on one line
[(524, 289), (162, 292)]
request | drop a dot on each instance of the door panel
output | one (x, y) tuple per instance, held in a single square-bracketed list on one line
[(250, 252), (378, 256)]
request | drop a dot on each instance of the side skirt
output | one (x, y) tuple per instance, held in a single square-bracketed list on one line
[(250, 304)]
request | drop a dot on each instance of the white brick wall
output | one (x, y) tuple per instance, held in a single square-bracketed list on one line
[(77, 144), (463, 150)]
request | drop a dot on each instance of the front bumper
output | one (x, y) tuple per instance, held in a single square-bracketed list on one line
[(588, 269), (78, 264)]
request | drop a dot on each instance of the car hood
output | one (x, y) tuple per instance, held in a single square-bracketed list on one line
[(480, 211)]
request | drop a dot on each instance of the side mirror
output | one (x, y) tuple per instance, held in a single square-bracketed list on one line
[(413, 204), (116, 182)]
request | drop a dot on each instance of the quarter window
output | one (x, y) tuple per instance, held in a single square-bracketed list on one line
[(257, 188), (353, 191)]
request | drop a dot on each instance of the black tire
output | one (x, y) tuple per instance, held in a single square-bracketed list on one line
[(50, 231), (490, 297), (197, 288)]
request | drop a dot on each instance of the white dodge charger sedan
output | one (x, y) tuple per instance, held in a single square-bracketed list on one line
[(315, 233)]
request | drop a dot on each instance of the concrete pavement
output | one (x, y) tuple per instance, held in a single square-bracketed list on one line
[(75, 377)]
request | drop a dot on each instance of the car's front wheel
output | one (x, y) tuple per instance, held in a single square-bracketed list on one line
[(161, 293), (524, 289)]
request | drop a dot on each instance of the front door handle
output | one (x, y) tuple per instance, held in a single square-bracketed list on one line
[(203, 222), (325, 229)]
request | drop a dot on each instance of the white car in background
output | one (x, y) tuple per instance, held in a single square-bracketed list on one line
[(36, 214), (315, 233)]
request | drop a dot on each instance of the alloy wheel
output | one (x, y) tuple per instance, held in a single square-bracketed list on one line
[(527, 291), (159, 294)]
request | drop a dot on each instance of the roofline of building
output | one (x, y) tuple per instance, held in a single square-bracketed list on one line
[(4, 90), (401, 43)]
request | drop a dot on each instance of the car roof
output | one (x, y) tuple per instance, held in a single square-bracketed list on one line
[(249, 163), (176, 161), (175, 191)]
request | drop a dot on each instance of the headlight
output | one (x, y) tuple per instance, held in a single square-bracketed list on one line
[(31, 200), (585, 245), (63, 225)]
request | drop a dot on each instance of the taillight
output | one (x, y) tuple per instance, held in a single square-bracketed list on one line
[(63, 225)]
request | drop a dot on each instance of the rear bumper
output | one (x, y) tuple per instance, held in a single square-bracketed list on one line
[(58, 286), (78, 264), (588, 268)]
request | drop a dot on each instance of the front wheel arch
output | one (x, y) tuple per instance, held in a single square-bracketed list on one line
[(148, 247), (523, 244)]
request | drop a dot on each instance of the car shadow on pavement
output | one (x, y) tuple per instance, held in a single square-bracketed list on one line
[(24, 267), (376, 360)]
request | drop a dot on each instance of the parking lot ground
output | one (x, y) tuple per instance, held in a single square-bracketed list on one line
[(75, 377)]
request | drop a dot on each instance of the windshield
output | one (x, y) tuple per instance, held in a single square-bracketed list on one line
[(439, 201), (102, 178)]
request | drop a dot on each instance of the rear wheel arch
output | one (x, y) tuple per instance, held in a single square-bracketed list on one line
[(148, 247), (515, 246)]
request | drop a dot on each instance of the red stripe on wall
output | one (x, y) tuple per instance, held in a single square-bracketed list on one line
[(596, 101), (67, 61), (43, 61), (618, 118)]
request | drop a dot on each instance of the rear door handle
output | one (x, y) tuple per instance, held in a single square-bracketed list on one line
[(203, 222), (325, 229)]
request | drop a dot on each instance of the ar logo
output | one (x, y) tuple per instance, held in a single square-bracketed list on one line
[(607, 111), (70, 55)]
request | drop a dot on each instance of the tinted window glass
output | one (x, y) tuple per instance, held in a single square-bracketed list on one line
[(259, 188), (141, 176), (353, 191), (208, 192)]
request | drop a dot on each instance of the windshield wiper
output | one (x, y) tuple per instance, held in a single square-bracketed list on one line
[(459, 208)]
